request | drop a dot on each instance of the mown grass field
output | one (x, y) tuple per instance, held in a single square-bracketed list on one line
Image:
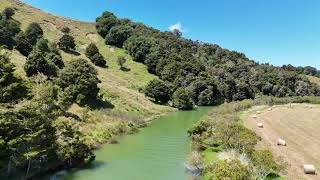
[(298, 125), (121, 89)]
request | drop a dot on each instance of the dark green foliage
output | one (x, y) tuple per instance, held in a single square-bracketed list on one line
[(158, 91), (79, 81), (98, 60), (67, 43), (33, 33), (55, 59), (105, 22), (8, 29), (243, 91), (11, 87), (181, 99), (138, 47), (181, 61), (22, 44), (118, 35), (32, 136), (37, 63), (8, 12), (91, 50), (42, 45), (151, 61), (71, 147)]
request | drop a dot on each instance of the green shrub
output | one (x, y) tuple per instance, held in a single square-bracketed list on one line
[(230, 170), (118, 35), (66, 42), (158, 91), (79, 82), (181, 99), (33, 33), (98, 60), (91, 50)]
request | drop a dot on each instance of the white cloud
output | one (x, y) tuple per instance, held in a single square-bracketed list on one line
[(177, 26)]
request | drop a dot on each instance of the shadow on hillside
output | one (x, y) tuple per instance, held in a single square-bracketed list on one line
[(100, 104), (125, 69), (75, 53)]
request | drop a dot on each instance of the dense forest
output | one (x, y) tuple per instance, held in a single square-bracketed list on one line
[(193, 72), (35, 126)]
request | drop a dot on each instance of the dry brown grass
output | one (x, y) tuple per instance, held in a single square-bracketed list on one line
[(299, 126)]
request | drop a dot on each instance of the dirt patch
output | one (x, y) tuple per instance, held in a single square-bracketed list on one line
[(50, 25), (93, 37), (299, 127), (112, 50), (83, 46)]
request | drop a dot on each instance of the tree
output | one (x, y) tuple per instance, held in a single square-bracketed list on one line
[(66, 30), (79, 81), (302, 88), (227, 170), (11, 87), (139, 47), (98, 60), (181, 99), (158, 91), (206, 98), (67, 42), (42, 45), (22, 44), (9, 28), (91, 50), (27, 130), (8, 12), (33, 33), (243, 91), (118, 35), (71, 146), (177, 32), (121, 61), (37, 63), (105, 22), (55, 59), (310, 70)]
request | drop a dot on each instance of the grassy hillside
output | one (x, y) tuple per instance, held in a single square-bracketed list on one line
[(314, 79), (120, 88)]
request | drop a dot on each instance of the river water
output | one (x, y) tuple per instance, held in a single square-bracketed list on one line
[(156, 152)]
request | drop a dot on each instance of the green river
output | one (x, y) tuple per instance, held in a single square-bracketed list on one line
[(156, 152)]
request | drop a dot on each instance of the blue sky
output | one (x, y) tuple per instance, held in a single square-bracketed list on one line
[(274, 31)]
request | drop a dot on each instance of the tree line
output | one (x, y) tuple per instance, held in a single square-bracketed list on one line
[(196, 73)]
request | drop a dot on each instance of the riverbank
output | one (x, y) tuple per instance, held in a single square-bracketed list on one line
[(156, 152)]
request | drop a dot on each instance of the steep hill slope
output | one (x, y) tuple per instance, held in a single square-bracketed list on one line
[(120, 88)]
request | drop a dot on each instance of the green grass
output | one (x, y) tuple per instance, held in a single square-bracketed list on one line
[(118, 87)]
